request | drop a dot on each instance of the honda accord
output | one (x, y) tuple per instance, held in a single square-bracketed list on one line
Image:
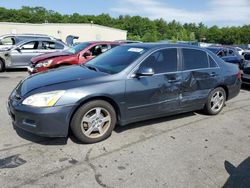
[(127, 84)]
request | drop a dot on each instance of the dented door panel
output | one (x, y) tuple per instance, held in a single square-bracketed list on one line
[(197, 85)]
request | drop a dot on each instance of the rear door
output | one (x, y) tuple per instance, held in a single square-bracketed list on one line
[(200, 75), (157, 94)]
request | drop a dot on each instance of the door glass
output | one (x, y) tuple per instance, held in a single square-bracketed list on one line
[(162, 61), (212, 62), (194, 59), (99, 49), (231, 53), (8, 41), (46, 45), (30, 46)]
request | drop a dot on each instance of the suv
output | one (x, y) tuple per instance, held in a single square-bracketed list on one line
[(80, 53)]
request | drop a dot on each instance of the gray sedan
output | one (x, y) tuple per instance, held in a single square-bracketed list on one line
[(19, 56)]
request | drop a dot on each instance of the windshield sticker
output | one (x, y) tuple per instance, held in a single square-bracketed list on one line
[(138, 50)]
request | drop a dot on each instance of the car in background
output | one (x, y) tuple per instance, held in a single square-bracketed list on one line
[(19, 56), (78, 54), (6, 41), (228, 54), (240, 50), (70, 40), (129, 41), (246, 69), (129, 83)]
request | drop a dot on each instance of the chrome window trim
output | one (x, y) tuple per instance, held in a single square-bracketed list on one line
[(132, 72)]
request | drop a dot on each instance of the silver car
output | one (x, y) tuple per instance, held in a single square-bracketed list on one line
[(19, 56), (8, 40)]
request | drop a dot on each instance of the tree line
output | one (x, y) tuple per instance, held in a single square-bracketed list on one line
[(139, 28)]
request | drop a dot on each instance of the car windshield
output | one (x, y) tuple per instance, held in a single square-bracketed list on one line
[(214, 50), (117, 59), (77, 48)]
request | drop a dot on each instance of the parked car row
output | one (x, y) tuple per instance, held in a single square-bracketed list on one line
[(129, 83), (41, 52)]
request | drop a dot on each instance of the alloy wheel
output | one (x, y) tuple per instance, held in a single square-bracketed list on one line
[(217, 101), (95, 122)]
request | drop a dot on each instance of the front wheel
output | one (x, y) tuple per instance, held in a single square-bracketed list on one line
[(94, 121), (215, 102)]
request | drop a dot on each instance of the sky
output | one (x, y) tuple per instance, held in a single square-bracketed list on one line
[(210, 12)]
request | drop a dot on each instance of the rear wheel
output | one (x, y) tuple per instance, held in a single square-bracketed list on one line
[(216, 101), (94, 121), (2, 66)]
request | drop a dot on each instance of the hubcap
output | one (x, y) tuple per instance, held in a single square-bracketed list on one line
[(95, 122), (217, 101)]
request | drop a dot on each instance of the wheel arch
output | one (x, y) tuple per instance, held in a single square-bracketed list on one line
[(2, 59), (225, 89), (101, 97)]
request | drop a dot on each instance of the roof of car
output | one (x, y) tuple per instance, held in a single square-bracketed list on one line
[(160, 45), (101, 42), (39, 39)]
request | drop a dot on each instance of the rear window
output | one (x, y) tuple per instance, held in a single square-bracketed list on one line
[(212, 62), (194, 59)]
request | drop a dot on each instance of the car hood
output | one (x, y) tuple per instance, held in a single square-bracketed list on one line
[(55, 77), (42, 57)]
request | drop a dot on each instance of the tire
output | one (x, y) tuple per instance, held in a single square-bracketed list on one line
[(93, 122), (216, 101), (2, 66)]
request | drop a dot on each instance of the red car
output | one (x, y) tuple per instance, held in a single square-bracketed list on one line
[(80, 53)]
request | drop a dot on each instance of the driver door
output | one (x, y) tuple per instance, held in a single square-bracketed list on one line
[(158, 94), (23, 56)]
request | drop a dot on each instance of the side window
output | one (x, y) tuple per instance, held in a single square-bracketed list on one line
[(162, 61), (222, 53), (47, 45), (30, 46), (231, 53), (212, 62), (96, 50), (194, 59), (8, 41), (58, 46), (105, 47), (114, 45)]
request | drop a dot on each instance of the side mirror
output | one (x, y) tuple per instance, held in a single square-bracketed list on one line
[(144, 71), (18, 49), (86, 54)]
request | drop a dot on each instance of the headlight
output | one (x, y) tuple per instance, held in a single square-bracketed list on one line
[(44, 99), (44, 63)]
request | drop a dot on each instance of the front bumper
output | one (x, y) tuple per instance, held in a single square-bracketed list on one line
[(49, 122)]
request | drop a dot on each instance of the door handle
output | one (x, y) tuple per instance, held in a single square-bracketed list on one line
[(213, 74), (173, 80)]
